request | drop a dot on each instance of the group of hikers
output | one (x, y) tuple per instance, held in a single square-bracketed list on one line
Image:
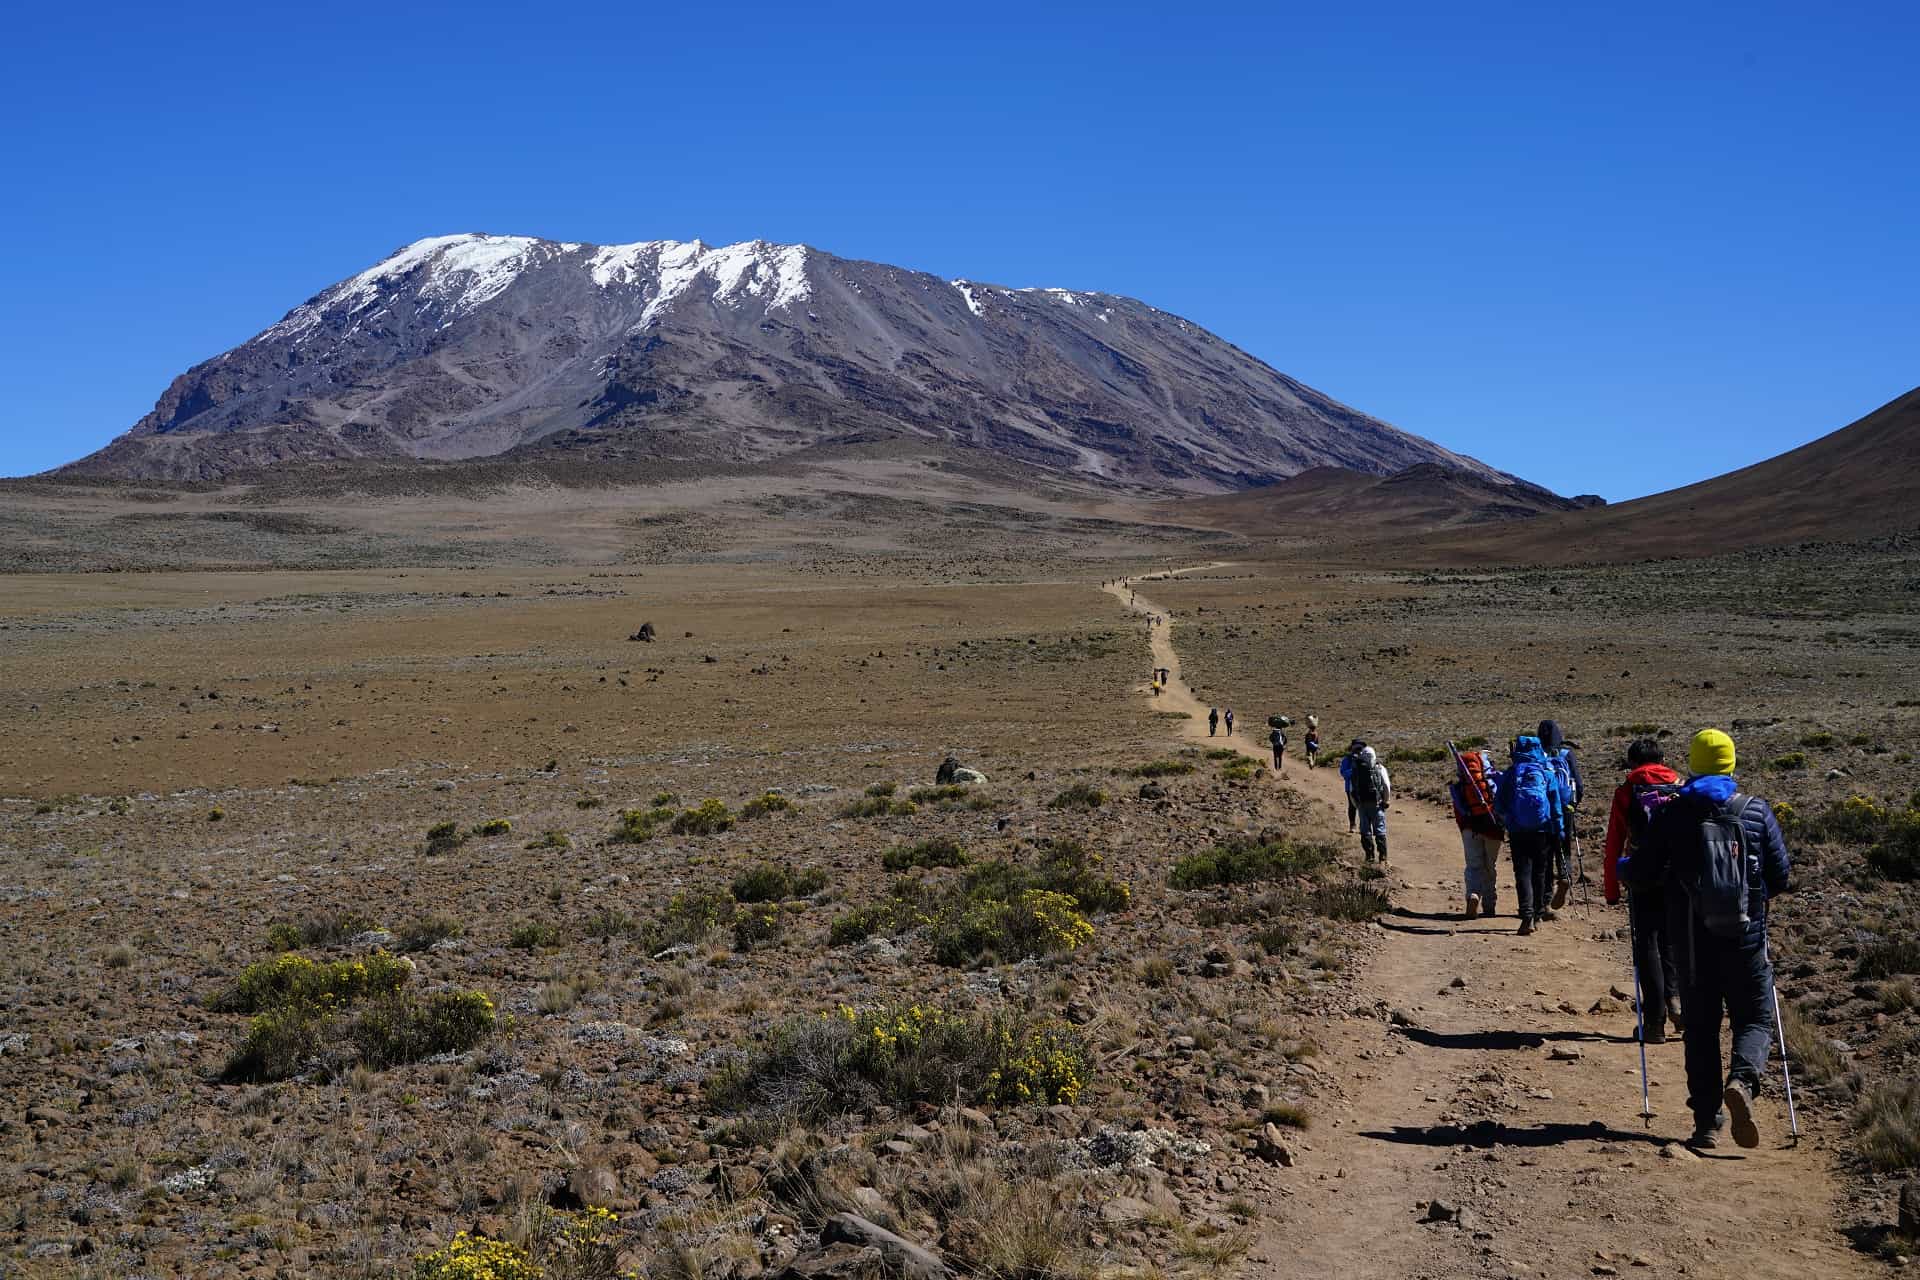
[(1697, 860)]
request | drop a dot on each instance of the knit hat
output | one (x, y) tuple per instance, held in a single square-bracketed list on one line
[(1711, 753)]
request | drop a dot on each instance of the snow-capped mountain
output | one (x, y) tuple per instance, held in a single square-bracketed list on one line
[(469, 346)]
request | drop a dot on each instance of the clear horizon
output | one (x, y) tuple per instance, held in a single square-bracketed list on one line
[(1612, 254)]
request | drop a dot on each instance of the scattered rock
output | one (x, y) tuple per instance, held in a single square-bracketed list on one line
[(1675, 1151), (1910, 1208), (1270, 1144), (905, 1257), (1565, 1053), (1441, 1211)]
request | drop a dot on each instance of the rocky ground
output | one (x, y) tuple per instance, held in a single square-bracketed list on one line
[(212, 771)]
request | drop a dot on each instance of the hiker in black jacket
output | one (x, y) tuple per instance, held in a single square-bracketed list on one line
[(1572, 790), (1698, 847)]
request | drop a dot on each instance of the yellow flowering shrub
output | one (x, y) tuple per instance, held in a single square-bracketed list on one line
[(294, 979), (468, 1257), (565, 1246)]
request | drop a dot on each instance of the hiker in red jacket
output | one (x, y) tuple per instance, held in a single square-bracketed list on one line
[(1649, 786), (1481, 834)]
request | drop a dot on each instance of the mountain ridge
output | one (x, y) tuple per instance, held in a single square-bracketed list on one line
[(475, 345)]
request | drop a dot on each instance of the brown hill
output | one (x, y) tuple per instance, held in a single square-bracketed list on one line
[(1328, 501), (1862, 481)]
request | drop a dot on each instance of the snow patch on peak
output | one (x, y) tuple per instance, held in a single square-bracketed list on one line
[(460, 273), (966, 291), (752, 268)]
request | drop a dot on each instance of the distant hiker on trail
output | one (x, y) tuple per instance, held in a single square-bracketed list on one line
[(1529, 805), (1312, 744), (1213, 721), (1347, 762), (1372, 792), (1719, 856), (1229, 719), (1474, 802), (1649, 788), (1278, 737), (1567, 767)]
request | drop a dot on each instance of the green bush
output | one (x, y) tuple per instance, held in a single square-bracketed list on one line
[(708, 818), (1892, 836), (1035, 922), (534, 935), (1791, 760), (608, 922), (878, 789), (324, 930), (872, 806), (1888, 957), (1819, 739), (295, 980), (949, 797), (1888, 1121), (863, 922), (689, 918), (758, 925), (765, 803), (763, 882), (444, 837), (665, 799), (1243, 860), (552, 840), (493, 827), (406, 1027), (1063, 865), (636, 826), (903, 1055), (1348, 901), (1222, 753), (1416, 755), (808, 881), (423, 933), (940, 851), (1081, 795), (1162, 769), (1242, 770)]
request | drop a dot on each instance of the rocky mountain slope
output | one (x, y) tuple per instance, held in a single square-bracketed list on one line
[(471, 346)]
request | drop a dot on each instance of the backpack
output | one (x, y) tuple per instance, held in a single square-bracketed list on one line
[(1717, 882), (1476, 788), (1643, 802), (1562, 762), (1530, 806), (1367, 790)]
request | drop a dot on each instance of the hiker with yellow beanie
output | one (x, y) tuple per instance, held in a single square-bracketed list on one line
[(1718, 855)]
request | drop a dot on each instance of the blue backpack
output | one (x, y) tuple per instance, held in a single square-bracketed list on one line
[(1561, 761), (1528, 793)]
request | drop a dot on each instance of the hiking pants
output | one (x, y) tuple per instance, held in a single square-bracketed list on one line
[(1373, 831), (1653, 955), (1563, 866), (1532, 856), (1726, 978), (1483, 866), (1353, 811)]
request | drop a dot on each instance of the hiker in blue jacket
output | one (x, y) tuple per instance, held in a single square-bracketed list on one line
[(1573, 789), (1719, 857), (1528, 800), (1354, 749)]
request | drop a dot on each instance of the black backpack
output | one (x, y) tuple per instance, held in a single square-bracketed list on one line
[(1719, 879), (1366, 784)]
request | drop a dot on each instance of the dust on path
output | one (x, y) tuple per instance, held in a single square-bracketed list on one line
[(1549, 1157)]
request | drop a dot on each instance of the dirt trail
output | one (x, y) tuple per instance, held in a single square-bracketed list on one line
[(1549, 1158)]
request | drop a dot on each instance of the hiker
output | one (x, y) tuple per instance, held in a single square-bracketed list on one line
[(1649, 787), (1372, 792), (1278, 737), (1229, 719), (1719, 857), (1347, 762), (1312, 744), (1567, 767), (1473, 797), (1529, 805), (1213, 721)]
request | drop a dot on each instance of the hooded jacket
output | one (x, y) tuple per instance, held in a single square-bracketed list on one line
[(1367, 759), (1617, 818), (1554, 742), (1527, 750), (1674, 838)]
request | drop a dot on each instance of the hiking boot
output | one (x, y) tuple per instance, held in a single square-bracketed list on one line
[(1739, 1100), (1673, 1016), (1705, 1137), (1473, 906), (1548, 913), (1526, 927), (1560, 894), (1654, 1032)]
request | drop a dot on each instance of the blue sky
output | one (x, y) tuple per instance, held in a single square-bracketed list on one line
[(1612, 250)]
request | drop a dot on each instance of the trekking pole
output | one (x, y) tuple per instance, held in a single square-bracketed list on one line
[(1639, 1016), (1780, 1029), (1586, 891)]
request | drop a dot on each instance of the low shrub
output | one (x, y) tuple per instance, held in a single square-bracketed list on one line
[(1888, 957), (534, 935), (878, 789), (552, 840), (1062, 865), (294, 980), (1791, 760), (1811, 1049), (468, 1257), (1891, 835), (1888, 1121), (423, 933), (901, 1055), (636, 826), (759, 925), (1243, 860), (771, 882), (326, 929), (1242, 770), (1081, 795), (872, 806), (940, 851), (1350, 901), (1162, 769), (396, 1027), (1818, 739), (1222, 753), (1288, 1115), (708, 818), (665, 799), (1416, 755), (765, 803), (1035, 922), (863, 922), (949, 797), (443, 837), (689, 918), (493, 827)]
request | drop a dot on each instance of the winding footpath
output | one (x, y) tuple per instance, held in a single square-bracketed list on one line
[(1509, 1097)]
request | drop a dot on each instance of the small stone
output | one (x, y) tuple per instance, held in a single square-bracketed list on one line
[(1271, 1145), (1674, 1151), (1565, 1053)]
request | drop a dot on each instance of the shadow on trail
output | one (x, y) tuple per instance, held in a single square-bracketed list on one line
[(1408, 913), (1496, 1040), (1487, 1133)]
